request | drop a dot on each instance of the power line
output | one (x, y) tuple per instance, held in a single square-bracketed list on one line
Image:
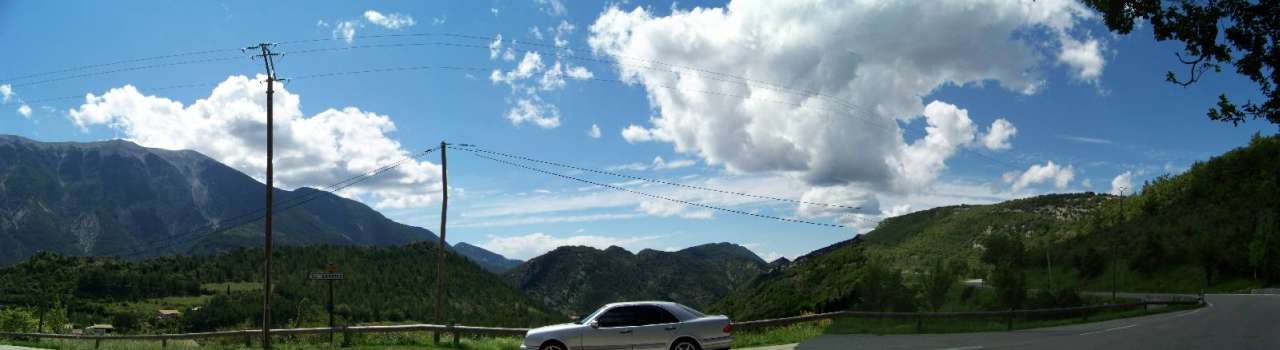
[(650, 195), (100, 65), (476, 149), (129, 69), (163, 88)]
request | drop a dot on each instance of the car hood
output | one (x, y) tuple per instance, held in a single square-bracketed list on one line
[(555, 328)]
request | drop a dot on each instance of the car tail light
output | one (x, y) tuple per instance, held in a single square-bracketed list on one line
[(728, 327)]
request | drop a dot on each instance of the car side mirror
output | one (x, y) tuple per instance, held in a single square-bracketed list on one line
[(594, 324)]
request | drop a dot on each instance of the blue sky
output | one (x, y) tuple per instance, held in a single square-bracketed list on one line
[(841, 103)]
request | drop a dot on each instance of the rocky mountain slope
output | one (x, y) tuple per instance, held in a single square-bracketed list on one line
[(117, 197)]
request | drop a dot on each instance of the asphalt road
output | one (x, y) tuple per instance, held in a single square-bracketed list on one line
[(1228, 322)]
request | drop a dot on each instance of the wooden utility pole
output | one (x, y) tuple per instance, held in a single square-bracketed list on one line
[(1115, 253), (267, 61), (444, 215), (1048, 259)]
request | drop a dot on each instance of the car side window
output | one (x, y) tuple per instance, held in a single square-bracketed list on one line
[(658, 315), (623, 316)]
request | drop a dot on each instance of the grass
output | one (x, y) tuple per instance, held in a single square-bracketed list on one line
[(789, 334), (387, 341), (214, 288)]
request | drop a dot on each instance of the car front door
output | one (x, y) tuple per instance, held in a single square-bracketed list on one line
[(612, 330), (658, 330)]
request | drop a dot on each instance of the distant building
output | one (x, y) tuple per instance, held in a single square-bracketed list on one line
[(100, 329), (168, 313)]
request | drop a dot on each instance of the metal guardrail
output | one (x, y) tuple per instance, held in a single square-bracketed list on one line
[(456, 330), (248, 335), (1009, 315)]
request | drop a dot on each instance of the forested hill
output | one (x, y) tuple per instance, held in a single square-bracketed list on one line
[(853, 274), (383, 284), (576, 280), (1213, 227)]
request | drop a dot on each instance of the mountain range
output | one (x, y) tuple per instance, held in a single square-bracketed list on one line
[(576, 280), (490, 261), (118, 198)]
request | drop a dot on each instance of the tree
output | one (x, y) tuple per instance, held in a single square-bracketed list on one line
[(1262, 249), (938, 279), (881, 289), (1005, 252), (1010, 284), (17, 320), (1211, 31)]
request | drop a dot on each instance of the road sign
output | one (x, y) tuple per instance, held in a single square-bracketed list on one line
[(327, 276)]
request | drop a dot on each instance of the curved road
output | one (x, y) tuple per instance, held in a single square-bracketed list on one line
[(1229, 321)]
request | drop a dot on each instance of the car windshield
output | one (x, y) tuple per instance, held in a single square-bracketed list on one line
[(588, 317)]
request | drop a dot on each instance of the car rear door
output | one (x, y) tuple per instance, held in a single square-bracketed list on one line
[(659, 328), (614, 329)]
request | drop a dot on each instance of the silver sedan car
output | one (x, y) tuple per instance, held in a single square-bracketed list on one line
[(643, 325)]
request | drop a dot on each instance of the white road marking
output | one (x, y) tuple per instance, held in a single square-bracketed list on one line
[(975, 347), (1184, 314), (1110, 329)]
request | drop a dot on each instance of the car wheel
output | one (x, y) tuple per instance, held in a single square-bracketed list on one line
[(685, 344), (552, 345)]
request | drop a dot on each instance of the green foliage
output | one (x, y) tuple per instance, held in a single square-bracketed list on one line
[(936, 282), (1005, 252), (1241, 33), (14, 319), (1213, 217), (1264, 249), (1062, 297), (882, 289)]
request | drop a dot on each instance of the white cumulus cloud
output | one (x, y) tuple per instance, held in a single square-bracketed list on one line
[(6, 92), (24, 110), (530, 77), (1122, 184), (1037, 173), (1084, 58), (552, 7), (998, 135), (229, 126), (845, 78), (533, 110), (594, 132), (390, 21), (345, 30)]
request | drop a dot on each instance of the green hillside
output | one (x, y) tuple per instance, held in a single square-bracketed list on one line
[(1212, 227)]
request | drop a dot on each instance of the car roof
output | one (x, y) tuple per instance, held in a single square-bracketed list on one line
[(629, 303)]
